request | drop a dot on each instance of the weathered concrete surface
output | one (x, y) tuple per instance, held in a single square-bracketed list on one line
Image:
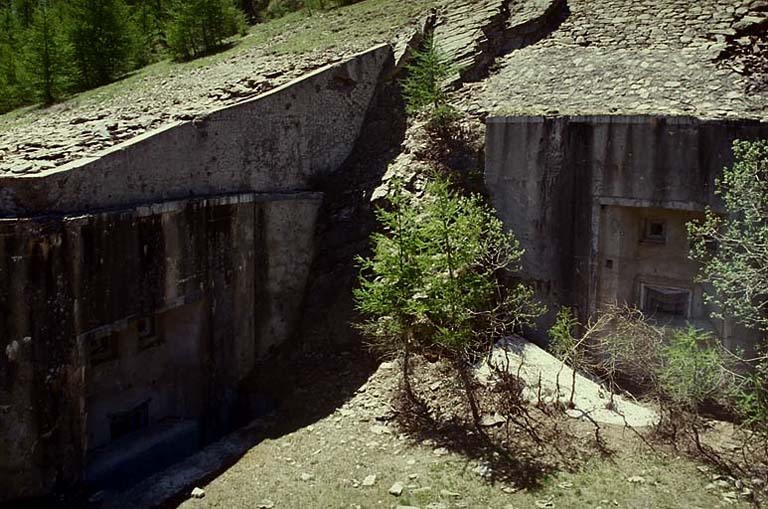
[(223, 277), (275, 142), (549, 179)]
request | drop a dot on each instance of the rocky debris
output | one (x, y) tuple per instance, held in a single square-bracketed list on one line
[(197, 493), (616, 57), (396, 489), (244, 88), (369, 480), (744, 46), (492, 420), (472, 35), (545, 375), (463, 33)]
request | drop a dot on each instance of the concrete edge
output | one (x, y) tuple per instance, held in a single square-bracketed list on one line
[(620, 119), (86, 160), (145, 210)]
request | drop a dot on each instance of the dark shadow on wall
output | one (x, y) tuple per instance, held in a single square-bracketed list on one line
[(323, 366), (347, 220), (325, 363), (504, 35)]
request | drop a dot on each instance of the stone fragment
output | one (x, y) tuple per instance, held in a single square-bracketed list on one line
[(491, 420), (197, 493), (369, 480), (307, 477), (748, 23), (396, 489)]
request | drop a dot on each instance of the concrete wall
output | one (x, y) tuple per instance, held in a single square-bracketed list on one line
[(207, 226), (220, 275), (275, 142), (550, 177)]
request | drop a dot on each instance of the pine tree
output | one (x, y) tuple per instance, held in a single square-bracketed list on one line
[(101, 36), (148, 18), (46, 55), (25, 11), (11, 94), (197, 27)]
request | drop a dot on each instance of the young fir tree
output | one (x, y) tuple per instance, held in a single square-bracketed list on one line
[(46, 55), (101, 36), (197, 27), (436, 280), (424, 88)]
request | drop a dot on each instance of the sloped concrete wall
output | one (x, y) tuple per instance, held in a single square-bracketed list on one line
[(549, 176), (275, 142)]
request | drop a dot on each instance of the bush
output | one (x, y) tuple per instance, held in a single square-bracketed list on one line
[(733, 248), (693, 370), (443, 125), (279, 8), (197, 27), (752, 396), (561, 335), (624, 348)]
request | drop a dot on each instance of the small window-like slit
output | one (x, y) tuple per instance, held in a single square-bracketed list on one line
[(655, 231), (666, 301)]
